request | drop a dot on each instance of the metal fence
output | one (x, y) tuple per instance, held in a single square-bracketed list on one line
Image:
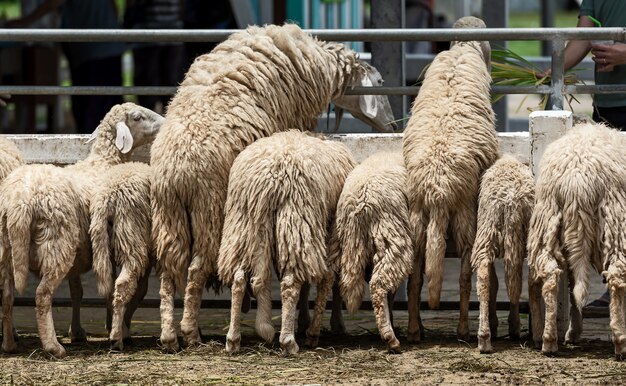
[(557, 90)]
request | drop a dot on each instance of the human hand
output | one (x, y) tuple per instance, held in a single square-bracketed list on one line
[(607, 56)]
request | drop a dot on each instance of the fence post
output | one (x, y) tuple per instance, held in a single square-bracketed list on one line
[(388, 57), (544, 128)]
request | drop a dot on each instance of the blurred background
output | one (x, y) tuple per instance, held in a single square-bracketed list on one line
[(159, 64)]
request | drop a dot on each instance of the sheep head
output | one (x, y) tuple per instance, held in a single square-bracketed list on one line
[(133, 126), (373, 110), (474, 22)]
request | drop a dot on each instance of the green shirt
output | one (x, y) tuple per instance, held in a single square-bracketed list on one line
[(611, 13)]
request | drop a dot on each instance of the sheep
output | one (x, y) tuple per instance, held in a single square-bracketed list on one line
[(259, 81), (505, 204), (450, 140), (282, 195), (44, 216), (121, 226), (10, 158), (374, 236), (576, 226)]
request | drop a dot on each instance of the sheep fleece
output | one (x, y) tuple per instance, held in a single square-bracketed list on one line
[(260, 81)]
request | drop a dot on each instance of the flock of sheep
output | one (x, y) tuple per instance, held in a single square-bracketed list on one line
[(237, 188)]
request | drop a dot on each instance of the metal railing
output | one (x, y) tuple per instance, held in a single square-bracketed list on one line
[(558, 36)]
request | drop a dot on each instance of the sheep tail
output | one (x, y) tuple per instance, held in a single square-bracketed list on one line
[(100, 242), (354, 259), (580, 236), (18, 225), (435, 252)]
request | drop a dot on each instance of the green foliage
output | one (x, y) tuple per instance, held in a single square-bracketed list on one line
[(511, 69)]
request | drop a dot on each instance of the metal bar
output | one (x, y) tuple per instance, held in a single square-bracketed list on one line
[(548, 9), (495, 13), (407, 90), (558, 71), (379, 34), (276, 304)]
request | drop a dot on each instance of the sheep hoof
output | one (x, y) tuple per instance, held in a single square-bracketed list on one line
[(128, 341), (393, 347), (57, 351), (289, 345), (550, 347), (514, 334), (463, 334), (620, 348), (117, 345), (337, 327), (232, 345), (414, 337), (484, 345), (312, 340), (10, 348), (169, 345), (571, 337), (192, 338), (78, 335)]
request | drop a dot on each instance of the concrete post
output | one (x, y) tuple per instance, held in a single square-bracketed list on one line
[(545, 127)]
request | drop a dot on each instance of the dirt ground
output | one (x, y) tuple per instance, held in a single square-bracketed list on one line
[(359, 358)]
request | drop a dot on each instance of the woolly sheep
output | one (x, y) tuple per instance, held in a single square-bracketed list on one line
[(450, 140), (121, 226), (10, 158), (505, 203), (44, 216), (259, 81), (373, 231), (577, 226), (282, 195)]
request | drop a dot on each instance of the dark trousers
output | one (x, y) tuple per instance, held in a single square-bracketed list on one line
[(161, 65), (88, 110), (613, 116)]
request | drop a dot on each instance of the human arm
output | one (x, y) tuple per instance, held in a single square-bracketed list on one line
[(575, 50), (42, 10)]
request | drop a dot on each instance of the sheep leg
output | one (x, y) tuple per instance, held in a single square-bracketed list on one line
[(262, 289), (193, 297), (535, 310), (550, 291), (493, 298), (233, 337), (45, 324), (464, 230), (289, 292), (140, 293), (77, 332), (382, 311), (8, 333), (575, 329), (168, 339), (483, 278), (513, 261), (616, 310), (415, 331), (336, 316), (323, 289), (125, 288), (304, 318)]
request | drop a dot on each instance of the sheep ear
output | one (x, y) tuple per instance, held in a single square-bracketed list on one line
[(93, 135), (123, 138), (368, 103)]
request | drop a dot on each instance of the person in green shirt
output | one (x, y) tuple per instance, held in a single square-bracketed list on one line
[(610, 58)]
